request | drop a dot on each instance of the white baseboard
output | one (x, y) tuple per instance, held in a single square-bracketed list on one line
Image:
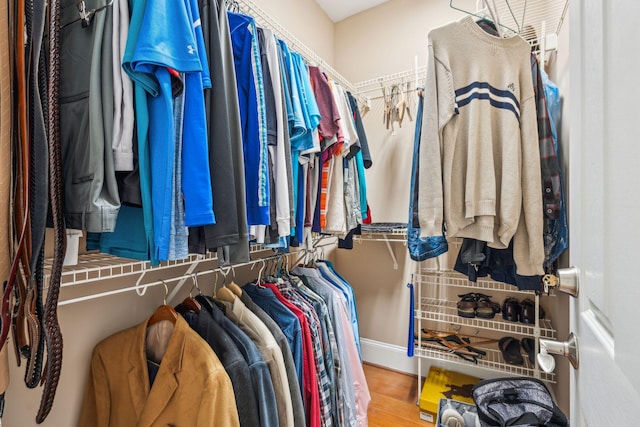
[(390, 356), (395, 357)]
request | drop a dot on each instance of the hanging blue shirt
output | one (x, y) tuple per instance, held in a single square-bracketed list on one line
[(332, 276), (155, 51), (263, 165), (308, 103), (196, 179), (297, 127), (241, 29), (144, 85)]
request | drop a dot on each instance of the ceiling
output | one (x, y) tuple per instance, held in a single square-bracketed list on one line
[(338, 10)]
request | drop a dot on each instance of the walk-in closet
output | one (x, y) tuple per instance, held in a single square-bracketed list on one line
[(318, 213)]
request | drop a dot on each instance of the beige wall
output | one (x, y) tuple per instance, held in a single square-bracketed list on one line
[(306, 21), (387, 38)]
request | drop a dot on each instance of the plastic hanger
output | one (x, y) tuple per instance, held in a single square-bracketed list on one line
[(264, 265), (401, 106), (233, 286), (224, 294), (237, 290), (409, 101), (164, 312)]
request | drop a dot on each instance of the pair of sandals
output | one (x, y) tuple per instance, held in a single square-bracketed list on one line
[(511, 347), (461, 345), (475, 304), (524, 312)]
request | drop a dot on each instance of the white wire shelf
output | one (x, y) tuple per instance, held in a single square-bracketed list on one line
[(100, 266), (492, 360), (450, 278), (445, 311), (393, 235), (387, 236), (377, 83)]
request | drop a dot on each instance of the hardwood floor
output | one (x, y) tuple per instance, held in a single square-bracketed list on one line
[(393, 399)]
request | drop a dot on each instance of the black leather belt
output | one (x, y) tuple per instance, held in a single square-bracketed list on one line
[(52, 333), (38, 179)]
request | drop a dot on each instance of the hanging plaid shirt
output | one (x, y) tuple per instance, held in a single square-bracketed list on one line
[(324, 383), (329, 346), (548, 157)]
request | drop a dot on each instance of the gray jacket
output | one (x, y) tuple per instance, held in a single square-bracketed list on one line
[(91, 199)]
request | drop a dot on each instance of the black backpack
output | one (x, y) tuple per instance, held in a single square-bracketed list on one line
[(516, 402)]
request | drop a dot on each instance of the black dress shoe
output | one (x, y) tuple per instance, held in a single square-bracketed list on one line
[(511, 309), (528, 311)]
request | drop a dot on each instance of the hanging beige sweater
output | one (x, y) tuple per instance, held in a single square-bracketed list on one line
[(479, 156)]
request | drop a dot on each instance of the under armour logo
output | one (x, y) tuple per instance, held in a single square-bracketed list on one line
[(191, 49), (512, 87)]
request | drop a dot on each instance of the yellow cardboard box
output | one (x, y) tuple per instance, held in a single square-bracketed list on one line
[(441, 383)]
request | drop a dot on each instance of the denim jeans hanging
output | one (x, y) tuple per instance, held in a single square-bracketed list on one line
[(423, 248)]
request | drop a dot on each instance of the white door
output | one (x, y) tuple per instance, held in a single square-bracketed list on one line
[(604, 203)]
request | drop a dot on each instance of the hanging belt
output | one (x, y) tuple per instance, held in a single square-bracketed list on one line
[(38, 197), (21, 209), (53, 336)]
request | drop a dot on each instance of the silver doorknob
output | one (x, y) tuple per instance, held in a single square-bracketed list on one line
[(568, 349), (566, 281)]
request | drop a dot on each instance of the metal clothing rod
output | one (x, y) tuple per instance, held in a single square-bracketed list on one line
[(317, 244), (263, 19), (179, 279), (186, 275), (113, 292)]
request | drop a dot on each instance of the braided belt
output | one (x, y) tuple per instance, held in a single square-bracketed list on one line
[(36, 107), (52, 334), (38, 185)]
